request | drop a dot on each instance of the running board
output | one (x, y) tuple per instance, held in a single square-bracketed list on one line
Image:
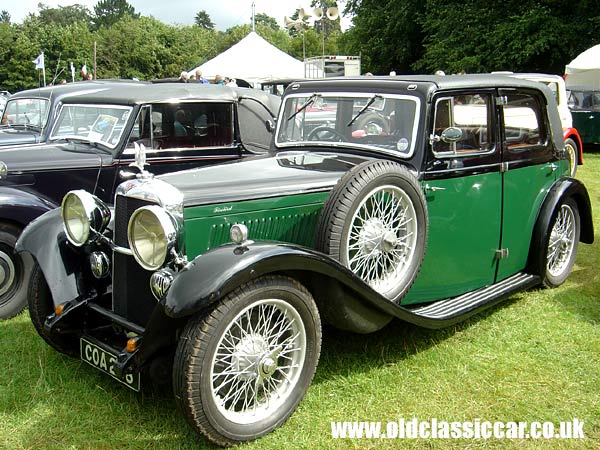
[(452, 310)]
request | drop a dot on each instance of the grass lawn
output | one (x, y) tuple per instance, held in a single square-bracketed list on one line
[(534, 358)]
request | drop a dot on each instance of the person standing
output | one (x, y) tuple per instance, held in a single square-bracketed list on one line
[(199, 78)]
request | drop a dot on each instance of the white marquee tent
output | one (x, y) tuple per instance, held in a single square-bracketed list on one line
[(585, 69), (253, 59)]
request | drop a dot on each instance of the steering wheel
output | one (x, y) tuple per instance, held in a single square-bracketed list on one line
[(325, 133)]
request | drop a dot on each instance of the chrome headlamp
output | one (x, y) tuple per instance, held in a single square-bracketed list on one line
[(152, 233), (81, 213)]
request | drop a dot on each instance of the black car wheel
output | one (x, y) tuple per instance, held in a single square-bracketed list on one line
[(562, 244), (572, 152), (15, 270), (41, 306), (241, 370), (375, 223)]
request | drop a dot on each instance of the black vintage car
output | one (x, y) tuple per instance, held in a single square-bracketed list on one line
[(91, 146), (28, 115), (424, 198)]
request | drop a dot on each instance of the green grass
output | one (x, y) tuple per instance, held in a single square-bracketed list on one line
[(534, 358)]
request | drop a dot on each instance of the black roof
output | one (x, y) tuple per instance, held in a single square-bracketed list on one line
[(136, 94), (61, 90), (422, 82)]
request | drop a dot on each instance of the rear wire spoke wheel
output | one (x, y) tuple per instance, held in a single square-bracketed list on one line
[(241, 370), (562, 244), (375, 223), (572, 153)]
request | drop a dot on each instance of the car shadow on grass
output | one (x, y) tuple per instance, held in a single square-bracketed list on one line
[(345, 352)]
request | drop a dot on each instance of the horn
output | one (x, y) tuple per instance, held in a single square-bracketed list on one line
[(302, 13), (333, 13), (318, 13)]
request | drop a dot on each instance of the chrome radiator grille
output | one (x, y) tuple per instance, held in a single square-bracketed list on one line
[(132, 297)]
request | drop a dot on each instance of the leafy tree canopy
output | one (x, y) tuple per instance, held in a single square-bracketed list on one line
[(108, 12), (63, 15), (202, 20)]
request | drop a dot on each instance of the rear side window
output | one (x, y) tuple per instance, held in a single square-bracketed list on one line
[(524, 123)]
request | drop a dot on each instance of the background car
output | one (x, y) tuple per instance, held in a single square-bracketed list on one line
[(571, 134), (29, 115), (584, 103), (92, 144), (220, 276)]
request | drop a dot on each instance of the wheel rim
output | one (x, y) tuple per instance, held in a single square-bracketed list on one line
[(258, 361), (572, 158), (7, 274), (382, 239), (562, 242)]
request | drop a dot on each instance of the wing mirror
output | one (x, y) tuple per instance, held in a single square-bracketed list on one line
[(451, 135)]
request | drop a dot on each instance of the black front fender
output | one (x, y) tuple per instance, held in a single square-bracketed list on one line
[(22, 206), (45, 239)]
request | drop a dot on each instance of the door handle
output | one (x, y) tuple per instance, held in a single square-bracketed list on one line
[(429, 188), (553, 167)]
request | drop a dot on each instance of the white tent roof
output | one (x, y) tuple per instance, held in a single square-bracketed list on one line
[(251, 59), (585, 69)]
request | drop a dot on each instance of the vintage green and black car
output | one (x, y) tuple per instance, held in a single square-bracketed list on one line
[(453, 195)]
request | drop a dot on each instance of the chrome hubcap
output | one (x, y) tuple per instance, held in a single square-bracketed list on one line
[(382, 238), (258, 361), (561, 243), (7, 273)]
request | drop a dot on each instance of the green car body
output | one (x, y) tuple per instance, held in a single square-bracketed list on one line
[(424, 198)]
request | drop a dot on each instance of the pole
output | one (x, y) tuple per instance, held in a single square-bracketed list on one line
[(95, 60), (253, 13)]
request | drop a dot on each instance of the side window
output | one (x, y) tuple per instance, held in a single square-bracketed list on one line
[(183, 125), (471, 115), (524, 125)]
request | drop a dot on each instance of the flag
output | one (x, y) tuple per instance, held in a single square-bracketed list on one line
[(39, 61), (84, 70), (72, 70)]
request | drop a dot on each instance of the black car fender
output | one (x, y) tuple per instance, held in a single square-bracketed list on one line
[(342, 297), (562, 189), (45, 240), (20, 206)]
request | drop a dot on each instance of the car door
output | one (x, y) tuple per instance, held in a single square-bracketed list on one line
[(530, 166), (463, 188), (179, 136)]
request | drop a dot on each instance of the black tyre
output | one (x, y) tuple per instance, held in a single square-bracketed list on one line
[(561, 248), (572, 153), (15, 271), (41, 306), (375, 223), (241, 370)]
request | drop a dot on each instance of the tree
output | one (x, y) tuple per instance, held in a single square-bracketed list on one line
[(202, 20), (517, 35), (108, 12), (4, 16), (64, 15), (387, 33), (266, 20)]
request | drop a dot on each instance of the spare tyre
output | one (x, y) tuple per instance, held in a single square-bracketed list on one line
[(374, 222)]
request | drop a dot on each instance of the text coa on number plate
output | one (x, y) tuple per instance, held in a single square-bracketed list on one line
[(104, 361)]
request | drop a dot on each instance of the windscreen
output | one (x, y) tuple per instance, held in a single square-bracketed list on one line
[(386, 123), (102, 124), (26, 111)]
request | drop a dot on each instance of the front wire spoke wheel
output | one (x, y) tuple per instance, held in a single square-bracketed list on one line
[(241, 369), (262, 379)]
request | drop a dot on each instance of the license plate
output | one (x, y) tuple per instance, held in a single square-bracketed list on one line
[(104, 361)]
